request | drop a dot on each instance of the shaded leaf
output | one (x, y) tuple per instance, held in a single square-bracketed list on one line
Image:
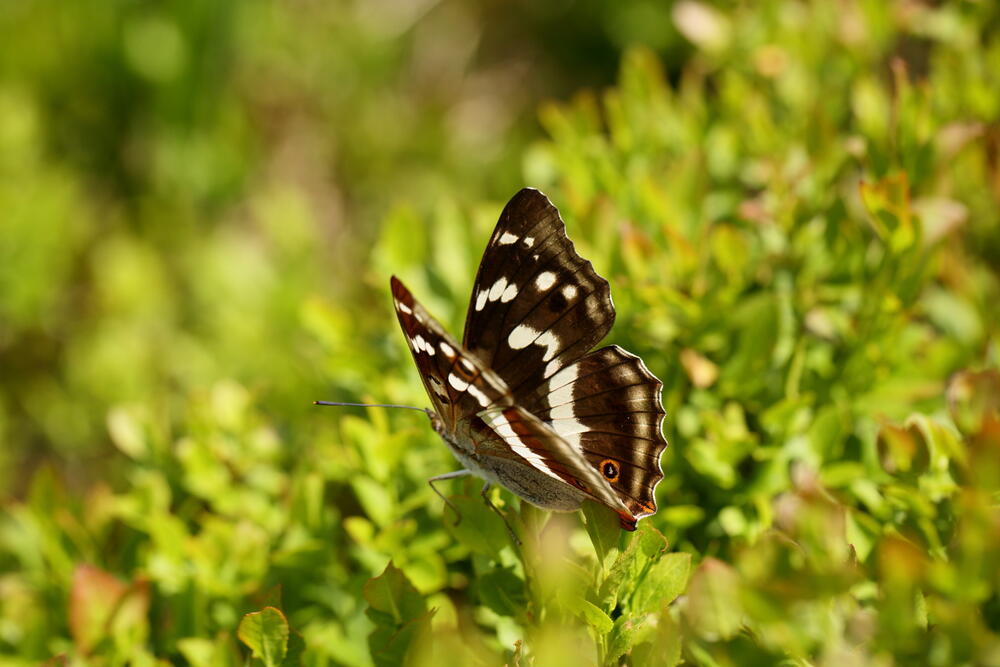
[(393, 595), (479, 529), (627, 632), (389, 645), (503, 592), (625, 575), (603, 527)]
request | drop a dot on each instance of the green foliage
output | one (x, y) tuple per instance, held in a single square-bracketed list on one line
[(266, 633), (800, 223)]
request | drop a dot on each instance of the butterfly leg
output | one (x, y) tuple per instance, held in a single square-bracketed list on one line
[(489, 503), (441, 478)]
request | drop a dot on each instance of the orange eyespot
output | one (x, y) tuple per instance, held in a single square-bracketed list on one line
[(610, 470)]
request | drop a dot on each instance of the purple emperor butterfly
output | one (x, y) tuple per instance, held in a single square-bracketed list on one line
[(524, 401)]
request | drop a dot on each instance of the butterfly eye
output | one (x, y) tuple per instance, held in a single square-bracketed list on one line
[(610, 470)]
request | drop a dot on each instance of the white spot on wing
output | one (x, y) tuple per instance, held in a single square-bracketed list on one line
[(498, 287), (477, 394), (507, 238), (509, 293), (448, 350), (569, 291), (545, 280), (529, 241), (522, 336), (403, 308), (562, 415), (561, 385), (549, 340), (458, 383), (499, 423), (481, 299), (419, 343)]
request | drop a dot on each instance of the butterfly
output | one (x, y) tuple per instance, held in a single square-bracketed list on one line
[(524, 401)]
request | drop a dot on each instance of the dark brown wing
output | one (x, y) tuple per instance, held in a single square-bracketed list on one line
[(608, 406), (465, 392), (514, 433), (537, 309), (536, 305), (451, 377)]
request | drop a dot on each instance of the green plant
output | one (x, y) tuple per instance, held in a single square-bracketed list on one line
[(800, 226)]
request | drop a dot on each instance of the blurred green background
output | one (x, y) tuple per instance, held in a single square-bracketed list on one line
[(796, 203)]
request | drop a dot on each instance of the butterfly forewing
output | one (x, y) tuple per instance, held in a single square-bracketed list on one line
[(453, 380), (536, 304)]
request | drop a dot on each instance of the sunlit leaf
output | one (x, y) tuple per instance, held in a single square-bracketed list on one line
[(592, 615), (266, 633), (665, 580)]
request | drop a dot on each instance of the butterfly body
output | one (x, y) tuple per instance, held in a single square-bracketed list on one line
[(535, 487), (476, 450), (523, 401)]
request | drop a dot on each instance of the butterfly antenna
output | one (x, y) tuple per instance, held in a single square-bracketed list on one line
[(368, 405)]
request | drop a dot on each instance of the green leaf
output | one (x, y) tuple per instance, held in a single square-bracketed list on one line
[(503, 592), (127, 432), (389, 646), (399, 613), (663, 647), (592, 615), (628, 631), (714, 607), (479, 529), (392, 594), (603, 527), (645, 545), (664, 581), (649, 540), (374, 498), (266, 633)]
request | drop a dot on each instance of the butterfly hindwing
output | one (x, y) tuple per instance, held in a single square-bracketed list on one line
[(608, 406), (513, 432)]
